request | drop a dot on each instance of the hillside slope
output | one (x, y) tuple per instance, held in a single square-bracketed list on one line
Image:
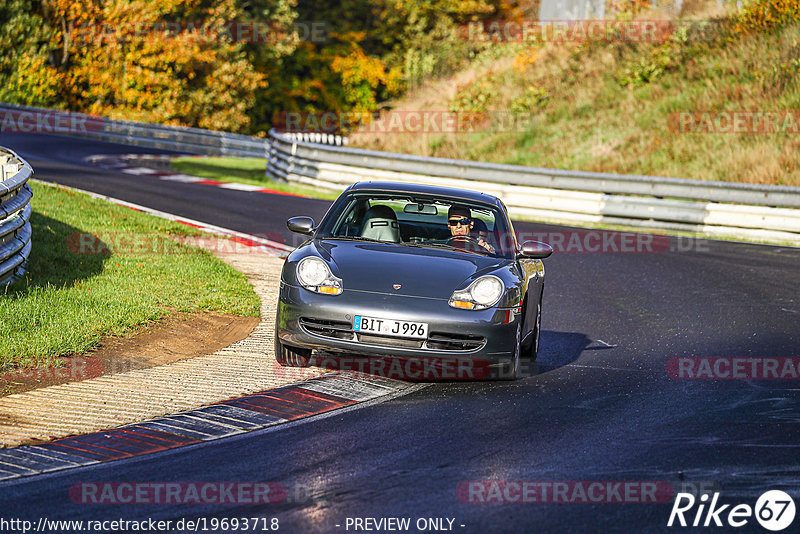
[(662, 108)]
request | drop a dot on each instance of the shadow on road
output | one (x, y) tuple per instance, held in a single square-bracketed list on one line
[(557, 349)]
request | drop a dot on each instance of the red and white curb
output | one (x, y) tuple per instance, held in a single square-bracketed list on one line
[(235, 416), (258, 243), (131, 164)]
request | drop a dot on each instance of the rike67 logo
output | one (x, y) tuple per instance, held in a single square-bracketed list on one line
[(774, 510)]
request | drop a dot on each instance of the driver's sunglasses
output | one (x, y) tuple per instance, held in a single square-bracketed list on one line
[(456, 222)]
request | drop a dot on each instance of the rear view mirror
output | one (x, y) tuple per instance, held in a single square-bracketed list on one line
[(421, 209), (535, 250), (301, 225)]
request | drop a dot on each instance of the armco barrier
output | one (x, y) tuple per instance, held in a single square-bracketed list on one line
[(574, 197), (15, 214), (28, 119), (715, 208)]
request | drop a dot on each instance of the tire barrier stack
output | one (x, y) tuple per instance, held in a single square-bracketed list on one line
[(15, 214)]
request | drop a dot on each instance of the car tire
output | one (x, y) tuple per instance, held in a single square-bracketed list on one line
[(291, 356), (514, 371), (533, 351), (523, 361)]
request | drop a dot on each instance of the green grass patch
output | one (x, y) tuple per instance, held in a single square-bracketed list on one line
[(245, 171), (613, 106), (69, 298)]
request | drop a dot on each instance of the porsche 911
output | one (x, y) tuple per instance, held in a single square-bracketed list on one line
[(414, 272)]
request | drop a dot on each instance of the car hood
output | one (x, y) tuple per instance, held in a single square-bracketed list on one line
[(420, 271)]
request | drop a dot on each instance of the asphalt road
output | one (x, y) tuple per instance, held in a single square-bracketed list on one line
[(601, 408)]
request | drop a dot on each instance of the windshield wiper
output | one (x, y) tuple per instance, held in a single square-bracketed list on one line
[(354, 238)]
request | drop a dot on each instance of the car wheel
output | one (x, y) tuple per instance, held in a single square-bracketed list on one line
[(515, 365), (291, 356), (534, 349)]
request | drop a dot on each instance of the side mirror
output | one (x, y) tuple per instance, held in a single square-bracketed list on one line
[(535, 250), (301, 225)]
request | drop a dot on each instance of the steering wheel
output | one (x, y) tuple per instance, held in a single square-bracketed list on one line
[(463, 240)]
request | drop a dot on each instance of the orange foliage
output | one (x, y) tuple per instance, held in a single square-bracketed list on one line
[(767, 14), (122, 64)]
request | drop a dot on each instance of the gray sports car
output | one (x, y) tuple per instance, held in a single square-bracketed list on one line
[(429, 281)]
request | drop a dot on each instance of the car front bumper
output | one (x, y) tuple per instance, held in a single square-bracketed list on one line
[(470, 342)]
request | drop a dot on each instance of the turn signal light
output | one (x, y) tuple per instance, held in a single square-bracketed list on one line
[(463, 304), (330, 290)]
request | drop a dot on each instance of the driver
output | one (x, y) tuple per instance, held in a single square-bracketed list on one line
[(459, 220)]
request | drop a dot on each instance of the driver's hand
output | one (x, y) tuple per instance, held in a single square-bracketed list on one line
[(486, 245)]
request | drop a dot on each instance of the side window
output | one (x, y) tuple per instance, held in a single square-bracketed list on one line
[(351, 224)]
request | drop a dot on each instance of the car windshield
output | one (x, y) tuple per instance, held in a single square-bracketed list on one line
[(424, 221)]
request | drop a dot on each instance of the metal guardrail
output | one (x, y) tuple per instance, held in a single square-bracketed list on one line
[(208, 142), (715, 208), (15, 214)]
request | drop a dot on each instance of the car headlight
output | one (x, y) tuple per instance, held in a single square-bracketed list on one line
[(480, 294), (315, 275)]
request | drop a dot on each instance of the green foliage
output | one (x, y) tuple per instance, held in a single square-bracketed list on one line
[(533, 99), (25, 74), (428, 38), (374, 52), (781, 75), (475, 97), (662, 58)]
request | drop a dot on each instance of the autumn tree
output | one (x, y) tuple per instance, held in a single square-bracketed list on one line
[(374, 51), (26, 75), (177, 62), (167, 61)]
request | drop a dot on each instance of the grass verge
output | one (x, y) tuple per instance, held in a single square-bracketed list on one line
[(243, 170), (98, 269), (619, 106)]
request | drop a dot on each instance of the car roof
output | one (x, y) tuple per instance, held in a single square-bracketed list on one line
[(434, 190)]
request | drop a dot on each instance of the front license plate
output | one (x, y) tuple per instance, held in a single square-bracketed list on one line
[(390, 327)]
